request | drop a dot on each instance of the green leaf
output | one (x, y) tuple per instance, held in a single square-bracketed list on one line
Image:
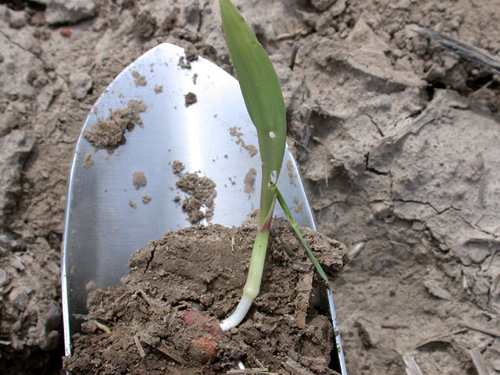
[(263, 98)]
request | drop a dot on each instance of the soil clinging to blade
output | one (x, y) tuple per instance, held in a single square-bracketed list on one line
[(109, 134)]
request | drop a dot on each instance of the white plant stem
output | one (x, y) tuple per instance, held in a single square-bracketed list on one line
[(252, 285)]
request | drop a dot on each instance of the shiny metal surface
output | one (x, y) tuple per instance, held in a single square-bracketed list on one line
[(102, 230)]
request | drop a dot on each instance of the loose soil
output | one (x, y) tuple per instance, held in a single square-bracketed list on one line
[(199, 201), (190, 99), (109, 133), (205, 267)]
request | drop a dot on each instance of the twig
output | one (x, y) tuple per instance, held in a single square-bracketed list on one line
[(483, 330), (437, 338), (162, 347), (295, 34), (477, 360), (355, 250), (463, 49), (395, 326), (139, 346)]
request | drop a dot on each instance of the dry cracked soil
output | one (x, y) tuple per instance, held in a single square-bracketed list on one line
[(397, 139)]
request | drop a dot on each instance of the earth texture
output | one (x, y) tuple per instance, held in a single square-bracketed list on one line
[(397, 139)]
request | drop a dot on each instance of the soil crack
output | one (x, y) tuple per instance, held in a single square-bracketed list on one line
[(376, 125), (373, 170)]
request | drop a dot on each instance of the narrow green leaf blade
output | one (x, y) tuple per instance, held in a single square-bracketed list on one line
[(263, 98)]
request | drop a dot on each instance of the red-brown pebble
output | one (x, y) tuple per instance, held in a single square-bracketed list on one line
[(65, 31)]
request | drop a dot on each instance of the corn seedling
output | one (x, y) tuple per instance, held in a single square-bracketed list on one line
[(264, 101)]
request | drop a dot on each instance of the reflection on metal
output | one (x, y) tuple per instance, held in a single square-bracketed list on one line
[(102, 229)]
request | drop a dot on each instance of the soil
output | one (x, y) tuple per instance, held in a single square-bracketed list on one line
[(149, 316), (250, 181), (109, 133), (199, 201), (190, 99), (139, 180), (397, 140), (235, 132)]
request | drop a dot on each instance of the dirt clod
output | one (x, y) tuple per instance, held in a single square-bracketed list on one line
[(177, 167), (199, 204), (190, 99), (139, 180), (139, 80), (249, 181), (109, 134)]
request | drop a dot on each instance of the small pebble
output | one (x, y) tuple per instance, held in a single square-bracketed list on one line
[(66, 32), (381, 210)]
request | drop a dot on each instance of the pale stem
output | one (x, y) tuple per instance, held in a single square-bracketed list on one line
[(252, 285)]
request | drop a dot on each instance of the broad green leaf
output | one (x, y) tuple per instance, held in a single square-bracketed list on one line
[(263, 98)]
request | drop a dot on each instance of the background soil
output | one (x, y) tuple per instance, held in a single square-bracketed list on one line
[(398, 141)]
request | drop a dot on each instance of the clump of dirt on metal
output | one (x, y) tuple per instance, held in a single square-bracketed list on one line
[(109, 133), (190, 99), (201, 193), (235, 132)]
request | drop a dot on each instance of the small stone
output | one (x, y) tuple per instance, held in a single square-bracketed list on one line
[(81, 84), (146, 199), (381, 210), (65, 32)]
